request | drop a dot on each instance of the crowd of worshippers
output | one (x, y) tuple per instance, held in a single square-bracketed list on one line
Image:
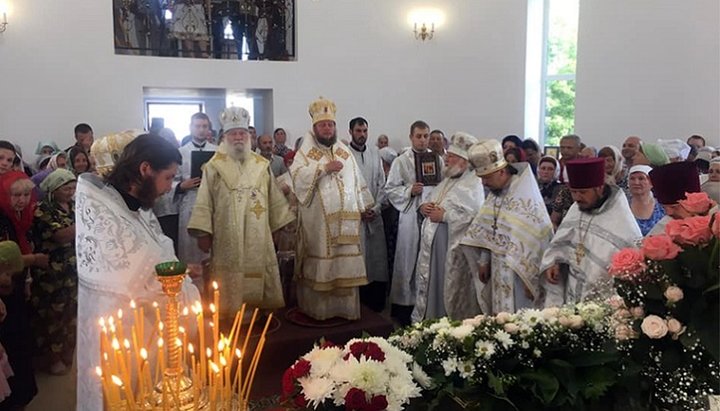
[(446, 227)]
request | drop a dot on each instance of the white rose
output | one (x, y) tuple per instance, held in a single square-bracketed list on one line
[(511, 328), (654, 327), (674, 294), (550, 312), (637, 312), (502, 318), (675, 326), (576, 322)]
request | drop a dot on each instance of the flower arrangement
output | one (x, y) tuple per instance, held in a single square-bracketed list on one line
[(557, 358), (367, 374), (667, 321)]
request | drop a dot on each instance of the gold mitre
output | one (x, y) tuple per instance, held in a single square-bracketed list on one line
[(234, 117), (487, 157), (322, 109), (107, 149)]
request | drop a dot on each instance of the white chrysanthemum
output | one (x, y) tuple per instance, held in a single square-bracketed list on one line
[(461, 332), (485, 349), (504, 339), (467, 369), (323, 359), (367, 375), (531, 317), (450, 365), (400, 390), (421, 376), (316, 390), (525, 345), (439, 325)]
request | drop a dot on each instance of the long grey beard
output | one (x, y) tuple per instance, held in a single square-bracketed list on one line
[(452, 172), (237, 153)]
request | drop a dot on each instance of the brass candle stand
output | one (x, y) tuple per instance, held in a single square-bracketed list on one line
[(215, 377)]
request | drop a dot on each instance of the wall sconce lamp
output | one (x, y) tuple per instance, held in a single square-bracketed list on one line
[(424, 34), (4, 7), (424, 21)]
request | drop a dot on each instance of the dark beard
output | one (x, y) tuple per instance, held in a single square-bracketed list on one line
[(329, 142), (147, 194)]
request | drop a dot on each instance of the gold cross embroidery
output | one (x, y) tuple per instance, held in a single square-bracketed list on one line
[(258, 209)]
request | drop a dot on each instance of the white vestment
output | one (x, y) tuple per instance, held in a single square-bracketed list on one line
[(461, 198), (584, 245), (188, 251), (372, 233), (117, 250), (329, 264), (511, 231), (398, 187)]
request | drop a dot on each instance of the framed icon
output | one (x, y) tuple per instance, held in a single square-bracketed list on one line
[(552, 151), (427, 168)]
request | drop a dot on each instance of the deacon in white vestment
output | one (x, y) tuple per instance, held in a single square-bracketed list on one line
[(186, 189), (118, 243), (598, 225), (372, 230), (505, 242), (331, 195), (443, 275), (406, 195)]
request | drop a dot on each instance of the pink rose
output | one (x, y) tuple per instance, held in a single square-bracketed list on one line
[(660, 247), (697, 203), (622, 332), (616, 302), (654, 327), (690, 231), (622, 313), (627, 263), (511, 328), (564, 321), (674, 294), (637, 312), (502, 317), (576, 322), (715, 229), (674, 326)]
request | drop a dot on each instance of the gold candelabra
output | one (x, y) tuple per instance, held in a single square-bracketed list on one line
[(213, 377)]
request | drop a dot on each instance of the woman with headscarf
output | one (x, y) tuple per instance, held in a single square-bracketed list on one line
[(547, 178), (78, 161), (17, 206), (613, 163), (651, 155), (54, 290), (645, 208), (58, 160)]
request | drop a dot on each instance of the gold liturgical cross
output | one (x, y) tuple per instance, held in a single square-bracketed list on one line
[(258, 209), (579, 253)]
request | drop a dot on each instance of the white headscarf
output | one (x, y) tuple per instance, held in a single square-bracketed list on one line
[(675, 148)]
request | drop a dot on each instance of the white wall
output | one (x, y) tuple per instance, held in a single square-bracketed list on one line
[(58, 68), (649, 68)]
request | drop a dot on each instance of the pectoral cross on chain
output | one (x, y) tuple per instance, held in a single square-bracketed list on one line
[(579, 253)]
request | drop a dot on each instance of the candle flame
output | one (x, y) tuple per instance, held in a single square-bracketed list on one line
[(212, 308), (112, 328), (181, 329), (126, 343), (221, 346), (191, 349), (98, 371), (160, 342), (111, 321), (101, 321), (115, 344), (208, 352), (161, 326), (155, 304), (185, 312), (116, 380), (215, 285), (119, 313), (238, 353), (223, 362), (105, 356), (132, 304), (214, 367), (178, 342), (143, 354)]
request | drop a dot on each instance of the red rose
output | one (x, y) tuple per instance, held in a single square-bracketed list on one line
[(368, 349), (377, 403), (301, 368), (697, 203), (355, 399), (288, 383), (627, 263), (300, 401), (660, 247), (328, 344)]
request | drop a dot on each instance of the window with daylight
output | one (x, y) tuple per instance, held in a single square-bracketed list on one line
[(550, 69)]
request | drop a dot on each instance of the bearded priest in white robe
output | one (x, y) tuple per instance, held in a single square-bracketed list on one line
[(505, 241), (406, 195), (443, 275), (118, 243), (238, 207), (598, 225), (372, 230), (332, 195)]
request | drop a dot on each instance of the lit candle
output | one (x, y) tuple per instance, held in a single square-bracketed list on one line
[(238, 374), (106, 396), (114, 393), (215, 324), (141, 377), (197, 308), (160, 365)]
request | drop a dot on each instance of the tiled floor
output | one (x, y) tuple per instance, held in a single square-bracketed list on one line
[(56, 393)]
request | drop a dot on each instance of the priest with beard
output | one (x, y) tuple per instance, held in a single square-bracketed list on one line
[(332, 196), (238, 207), (443, 275), (118, 243), (505, 242)]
